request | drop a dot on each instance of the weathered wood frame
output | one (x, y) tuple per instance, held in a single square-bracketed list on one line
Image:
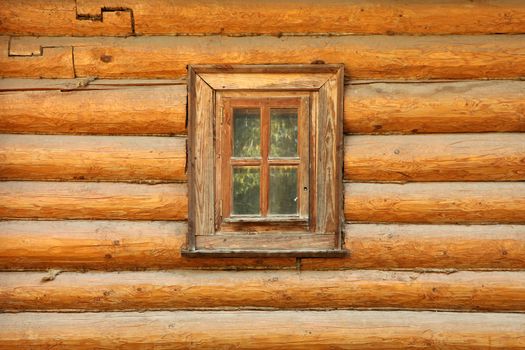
[(323, 84), (224, 160)]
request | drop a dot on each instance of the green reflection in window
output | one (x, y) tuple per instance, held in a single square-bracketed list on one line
[(283, 190), (246, 132), (283, 132), (246, 190)]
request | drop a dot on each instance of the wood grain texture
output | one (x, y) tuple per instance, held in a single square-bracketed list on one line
[(158, 107), (59, 17), (327, 140), (392, 246), (452, 202), (136, 245), (69, 200), (278, 241), (427, 57), (92, 158), (85, 84), (133, 291), (404, 108), (94, 108), (265, 81), (264, 17), (364, 330), (201, 159), (44, 62), (108, 245), (452, 157)]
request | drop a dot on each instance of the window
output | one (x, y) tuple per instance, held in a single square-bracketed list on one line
[(265, 167), (263, 147)]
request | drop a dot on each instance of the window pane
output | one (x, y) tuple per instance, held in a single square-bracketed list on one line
[(246, 132), (283, 132), (283, 190), (246, 190)]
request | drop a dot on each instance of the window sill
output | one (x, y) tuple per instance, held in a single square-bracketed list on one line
[(268, 219), (271, 253)]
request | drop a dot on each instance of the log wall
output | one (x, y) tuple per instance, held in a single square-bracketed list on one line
[(93, 194)]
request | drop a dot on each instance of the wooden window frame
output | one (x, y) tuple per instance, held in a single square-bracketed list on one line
[(225, 160), (317, 230)]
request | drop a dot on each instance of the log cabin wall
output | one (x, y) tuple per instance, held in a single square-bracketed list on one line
[(93, 197)]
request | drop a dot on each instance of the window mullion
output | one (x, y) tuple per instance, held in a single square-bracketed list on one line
[(265, 144)]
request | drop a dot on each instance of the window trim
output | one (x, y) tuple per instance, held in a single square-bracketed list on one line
[(324, 84)]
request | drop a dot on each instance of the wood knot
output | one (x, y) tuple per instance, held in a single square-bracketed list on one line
[(106, 58), (317, 62)]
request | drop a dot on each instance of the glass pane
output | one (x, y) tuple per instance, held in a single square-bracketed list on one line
[(246, 190), (246, 132), (283, 190), (283, 131)]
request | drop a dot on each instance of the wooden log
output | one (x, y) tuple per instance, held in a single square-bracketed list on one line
[(95, 108), (69, 200), (158, 107), (404, 108), (92, 158), (44, 62), (60, 17), (108, 245), (120, 245), (363, 330), (373, 246), (454, 157), (134, 291), (427, 57), (452, 202), (236, 17)]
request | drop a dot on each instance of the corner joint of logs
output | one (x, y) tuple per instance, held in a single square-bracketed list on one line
[(111, 16)]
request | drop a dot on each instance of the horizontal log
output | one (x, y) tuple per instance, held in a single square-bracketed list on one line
[(61, 17), (373, 246), (120, 245), (92, 158), (56, 17), (158, 107), (403, 108), (264, 330), (427, 57), (108, 245), (133, 291), (75, 200), (453, 157), (451, 202), (94, 109)]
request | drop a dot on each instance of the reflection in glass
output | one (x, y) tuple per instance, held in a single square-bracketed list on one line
[(283, 190), (246, 187), (283, 132), (246, 132)]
